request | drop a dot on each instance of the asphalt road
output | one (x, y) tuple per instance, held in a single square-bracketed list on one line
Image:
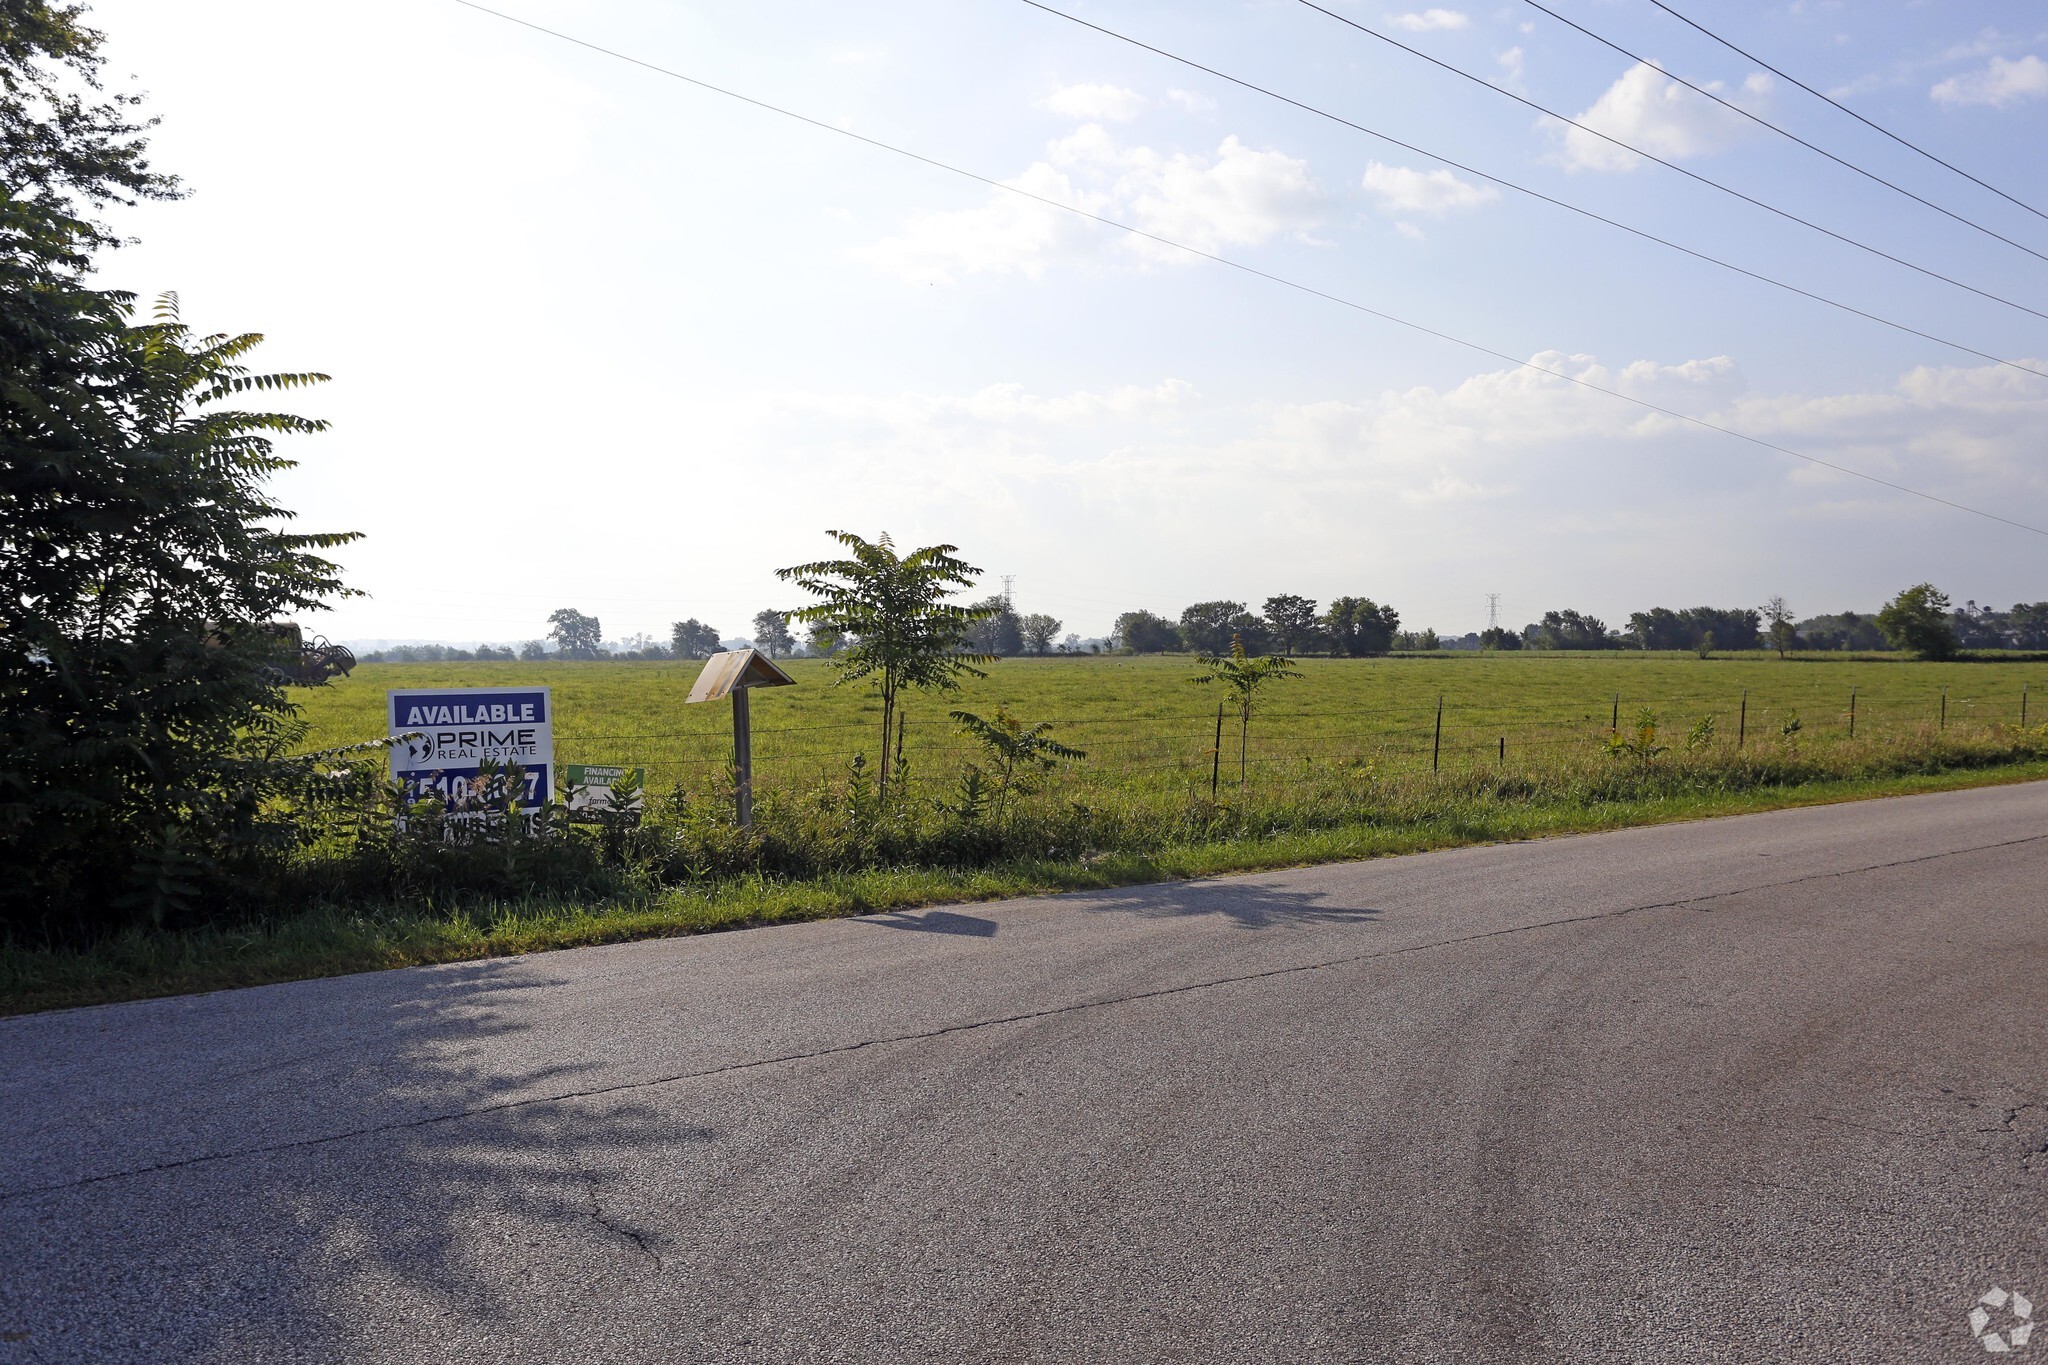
[(1767, 1088)]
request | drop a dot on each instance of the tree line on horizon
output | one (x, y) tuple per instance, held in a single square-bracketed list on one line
[(1924, 622)]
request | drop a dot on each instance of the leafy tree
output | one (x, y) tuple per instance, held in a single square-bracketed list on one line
[(692, 639), (1917, 620), (1783, 633), (1244, 676), (771, 634), (823, 641), (1731, 627), (143, 726), (1018, 753), (1358, 626), (1499, 637), (533, 650), (1206, 627), (1040, 631), (1296, 627), (1141, 632), (1000, 632), (1848, 630), (576, 636), (2027, 623), (1658, 628), (1573, 630), (892, 611), (1663, 628)]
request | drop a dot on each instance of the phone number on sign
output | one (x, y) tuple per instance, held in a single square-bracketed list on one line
[(458, 789)]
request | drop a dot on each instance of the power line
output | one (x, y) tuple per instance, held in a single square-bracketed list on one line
[(1708, 181), (1786, 133), (1847, 110), (1519, 188), (1481, 349)]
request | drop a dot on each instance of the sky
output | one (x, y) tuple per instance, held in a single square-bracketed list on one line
[(603, 339)]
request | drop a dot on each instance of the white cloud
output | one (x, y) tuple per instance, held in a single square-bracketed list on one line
[(2000, 83), (1191, 101), (1240, 197), (1512, 67), (1401, 189), (1430, 19), (1410, 231), (1110, 102), (1648, 110), (1005, 234)]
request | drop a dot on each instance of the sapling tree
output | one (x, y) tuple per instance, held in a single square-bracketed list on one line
[(890, 614), (1783, 633), (1017, 753), (1243, 677)]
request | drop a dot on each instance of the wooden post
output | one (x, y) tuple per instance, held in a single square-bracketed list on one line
[(1614, 725), (1852, 713), (1436, 751), (1216, 755), (1503, 751), (743, 757), (2023, 708), (1742, 725), (1944, 708)]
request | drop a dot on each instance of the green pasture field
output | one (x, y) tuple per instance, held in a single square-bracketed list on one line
[(1147, 728)]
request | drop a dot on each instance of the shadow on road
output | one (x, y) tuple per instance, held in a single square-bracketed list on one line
[(304, 1240), (1246, 903), (933, 922)]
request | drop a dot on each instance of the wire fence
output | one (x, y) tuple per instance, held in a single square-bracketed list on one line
[(1172, 747)]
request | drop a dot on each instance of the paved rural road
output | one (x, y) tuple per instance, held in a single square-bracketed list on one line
[(1766, 1088)]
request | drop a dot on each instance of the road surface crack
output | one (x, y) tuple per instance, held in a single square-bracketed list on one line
[(975, 1025), (624, 1231)]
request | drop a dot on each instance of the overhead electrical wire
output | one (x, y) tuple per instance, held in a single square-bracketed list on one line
[(1708, 181), (1338, 299), (1519, 188), (1868, 123), (1761, 121)]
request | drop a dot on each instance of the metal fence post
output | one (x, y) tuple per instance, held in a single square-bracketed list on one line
[(1742, 725), (1216, 755), (1436, 751), (1852, 713), (1944, 708)]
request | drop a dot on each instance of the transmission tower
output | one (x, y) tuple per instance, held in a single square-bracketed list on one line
[(1493, 611), (1009, 580)]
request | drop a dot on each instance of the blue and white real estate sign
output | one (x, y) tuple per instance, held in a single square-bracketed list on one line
[(457, 730)]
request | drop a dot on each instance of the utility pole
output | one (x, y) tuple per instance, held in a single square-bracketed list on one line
[(1493, 611), (1009, 581)]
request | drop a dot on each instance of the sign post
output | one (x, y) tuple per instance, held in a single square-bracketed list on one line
[(447, 734), (735, 671)]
